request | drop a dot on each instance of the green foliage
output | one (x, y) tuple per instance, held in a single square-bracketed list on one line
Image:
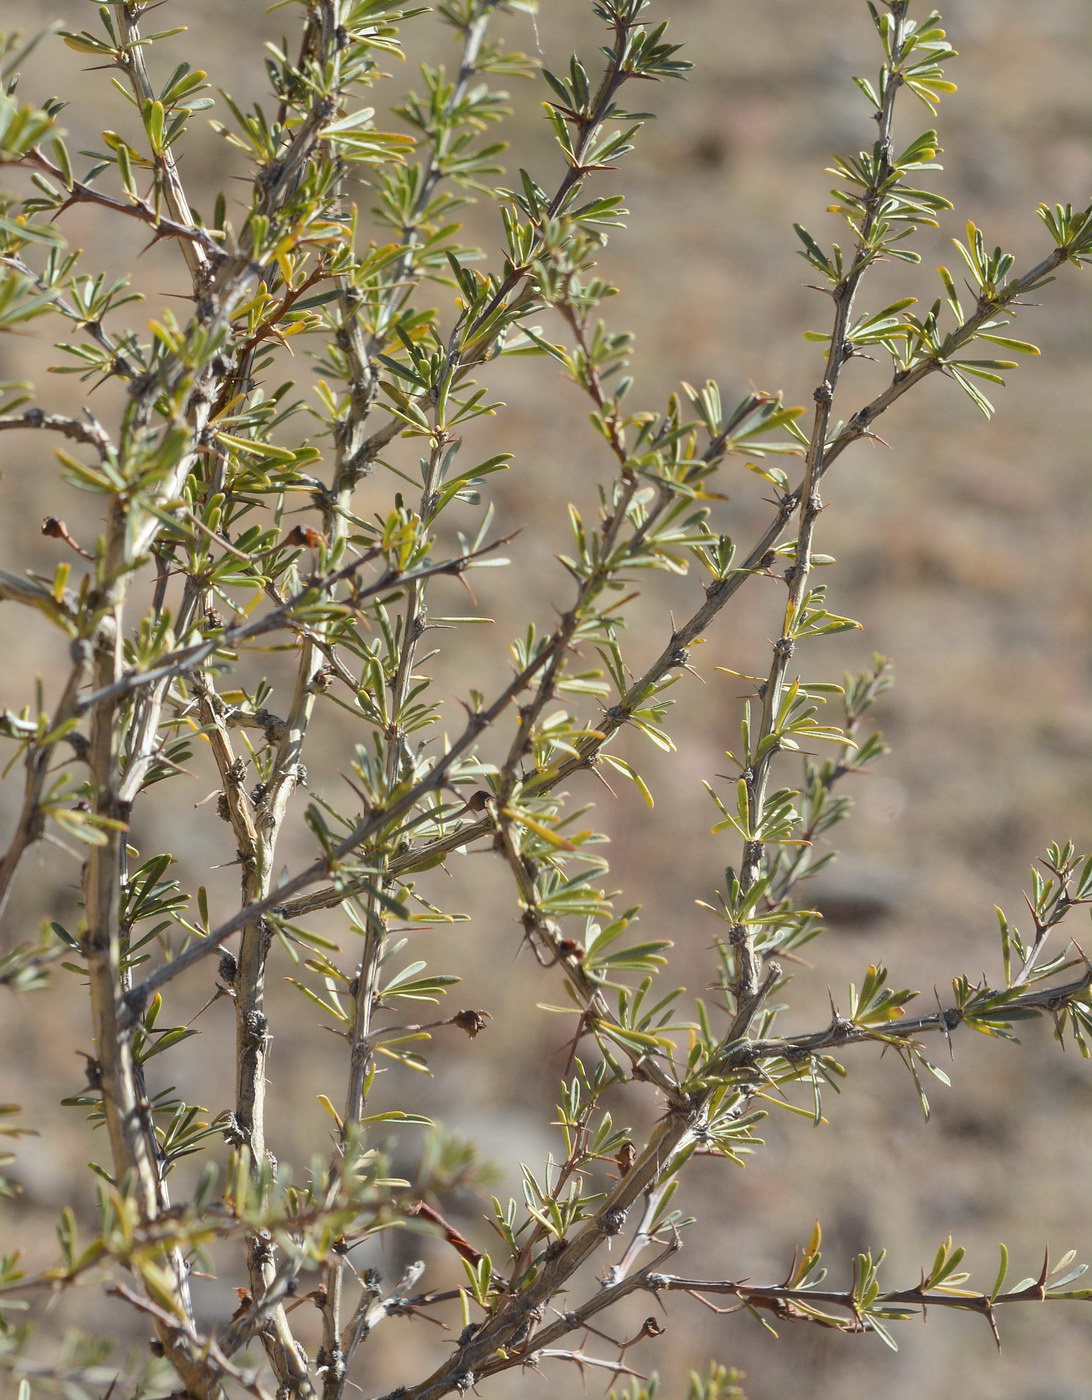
[(234, 526)]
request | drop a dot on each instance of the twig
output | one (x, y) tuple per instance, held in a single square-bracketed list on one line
[(89, 432), (185, 659), (190, 235)]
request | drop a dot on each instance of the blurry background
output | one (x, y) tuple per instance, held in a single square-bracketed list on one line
[(962, 550)]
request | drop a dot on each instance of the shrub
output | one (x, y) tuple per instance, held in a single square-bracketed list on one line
[(272, 556)]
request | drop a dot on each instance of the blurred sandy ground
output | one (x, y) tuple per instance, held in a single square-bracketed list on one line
[(962, 550)]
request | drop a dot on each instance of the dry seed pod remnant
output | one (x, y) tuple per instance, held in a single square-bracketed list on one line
[(258, 572)]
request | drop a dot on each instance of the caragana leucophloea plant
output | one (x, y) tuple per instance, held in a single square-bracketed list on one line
[(234, 520)]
